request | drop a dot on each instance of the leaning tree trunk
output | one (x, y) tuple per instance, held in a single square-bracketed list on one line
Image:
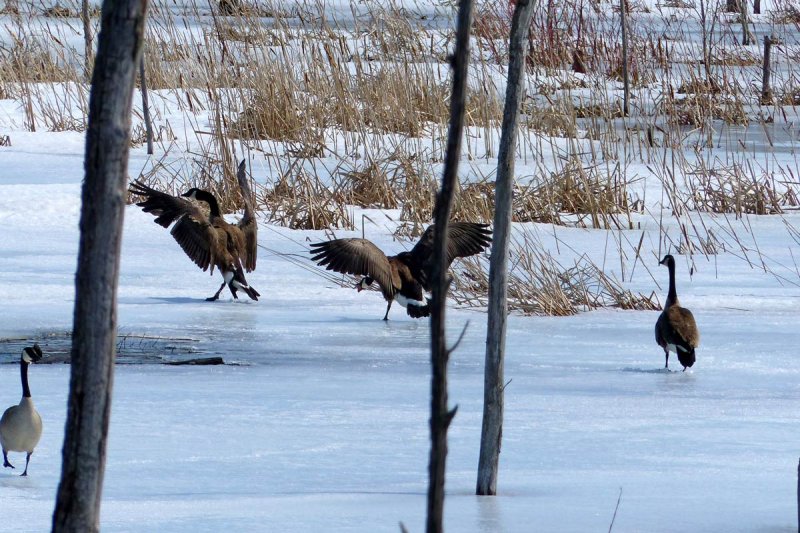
[(492, 430), (95, 318), (441, 415)]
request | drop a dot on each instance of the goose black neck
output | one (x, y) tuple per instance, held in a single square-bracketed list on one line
[(672, 295), (211, 200), (23, 371)]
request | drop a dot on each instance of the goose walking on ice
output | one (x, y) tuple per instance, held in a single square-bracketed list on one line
[(21, 425), (676, 330), (209, 240), (402, 277)]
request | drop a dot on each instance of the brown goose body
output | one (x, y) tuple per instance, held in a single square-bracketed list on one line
[(207, 238), (402, 277), (676, 330)]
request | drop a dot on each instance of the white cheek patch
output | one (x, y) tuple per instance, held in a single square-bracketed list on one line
[(405, 302), (672, 348)]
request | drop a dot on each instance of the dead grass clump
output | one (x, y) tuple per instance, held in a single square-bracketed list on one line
[(475, 202), (59, 11), (735, 58), (10, 8), (552, 120), (790, 96), (371, 185), (392, 36), (738, 189), (788, 15), (272, 113), (574, 196), (299, 200), (30, 61), (492, 21), (699, 86), (539, 285), (606, 111), (247, 34), (402, 100), (697, 109)]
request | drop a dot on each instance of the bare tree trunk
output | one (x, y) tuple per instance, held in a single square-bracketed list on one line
[(743, 15), (623, 14), (87, 40), (148, 125), (492, 428), (733, 6), (103, 202), (766, 90), (441, 415), (756, 7)]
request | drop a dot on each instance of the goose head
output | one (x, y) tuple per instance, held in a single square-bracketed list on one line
[(197, 194), (668, 261), (32, 354), (364, 283)]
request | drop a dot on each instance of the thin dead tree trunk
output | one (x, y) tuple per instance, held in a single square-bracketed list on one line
[(623, 14), (441, 415), (756, 7), (766, 90), (103, 203), (492, 428), (148, 124), (87, 40), (745, 30)]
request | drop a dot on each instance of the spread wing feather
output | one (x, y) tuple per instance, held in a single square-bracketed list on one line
[(192, 229), (463, 239), (357, 257), (248, 224)]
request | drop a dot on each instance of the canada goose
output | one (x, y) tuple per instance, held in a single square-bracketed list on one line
[(404, 276), (21, 425), (209, 240), (676, 329)]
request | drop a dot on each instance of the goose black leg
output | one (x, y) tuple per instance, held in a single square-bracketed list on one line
[(6, 464), (386, 316), (666, 359), (216, 296), (27, 460)]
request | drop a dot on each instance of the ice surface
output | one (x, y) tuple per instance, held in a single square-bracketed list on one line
[(323, 424)]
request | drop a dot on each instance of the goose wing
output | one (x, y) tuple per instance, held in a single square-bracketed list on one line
[(463, 240), (358, 257), (192, 230), (248, 224)]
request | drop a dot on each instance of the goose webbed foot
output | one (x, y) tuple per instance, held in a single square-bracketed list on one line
[(6, 464), (216, 296), (27, 460)]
